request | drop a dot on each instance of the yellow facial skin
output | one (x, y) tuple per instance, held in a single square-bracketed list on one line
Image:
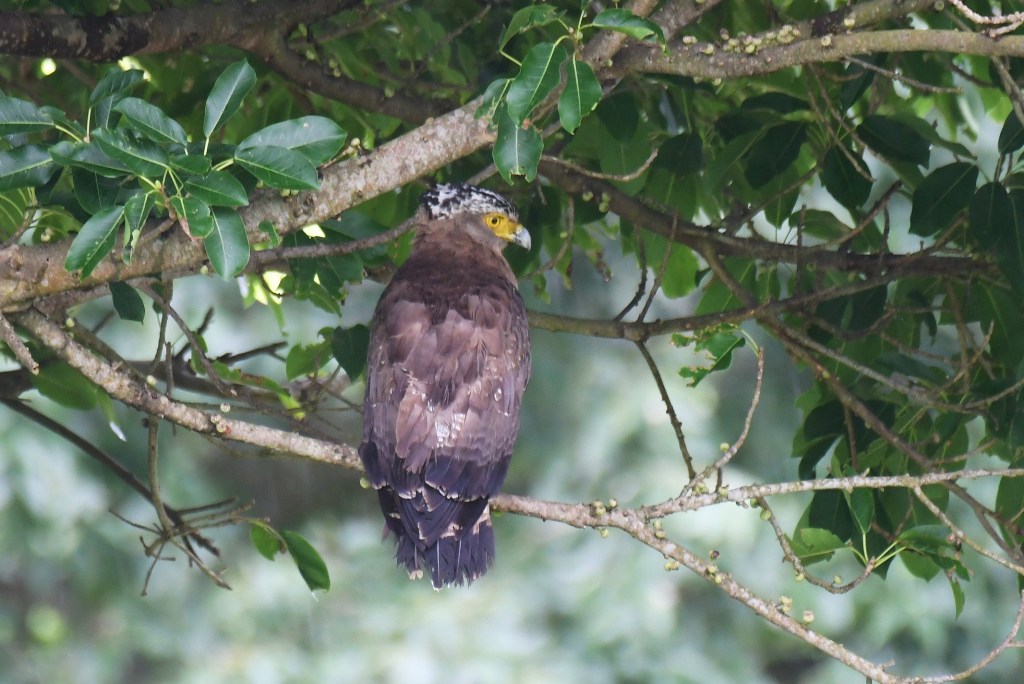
[(507, 229)]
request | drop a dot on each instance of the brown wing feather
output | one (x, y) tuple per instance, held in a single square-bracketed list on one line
[(448, 364)]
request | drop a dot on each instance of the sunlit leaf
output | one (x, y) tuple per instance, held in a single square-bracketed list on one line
[(218, 188), (266, 542)]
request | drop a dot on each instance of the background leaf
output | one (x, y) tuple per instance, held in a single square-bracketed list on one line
[(227, 94)]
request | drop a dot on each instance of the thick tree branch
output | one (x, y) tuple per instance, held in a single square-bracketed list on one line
[(108, 38), (709, 60)]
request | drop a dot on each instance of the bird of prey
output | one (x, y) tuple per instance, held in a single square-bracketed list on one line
[(448, 362)]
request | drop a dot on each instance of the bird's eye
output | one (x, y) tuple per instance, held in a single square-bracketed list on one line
[(494, 220)]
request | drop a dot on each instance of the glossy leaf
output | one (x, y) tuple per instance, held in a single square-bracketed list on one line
[(894, 140), (94, 241), (527, 18), (25, 167), (279, 167), (350, 347), (315, 137), (227, 244), (194, 215), (194, 164), (862, 508), (218, 188), (141, 157), (516, 150), (581, 95), (90, 157), (227, 94), (1011, 136), (944, 195), (150, 121), (624, 21), (20, 116), (717, 349), (536, 79), (311, 565), (115, 83), (127, 302)]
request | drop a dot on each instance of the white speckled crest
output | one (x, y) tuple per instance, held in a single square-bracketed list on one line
[(448, 199)]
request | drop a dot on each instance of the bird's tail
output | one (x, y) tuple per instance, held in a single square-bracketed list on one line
[(461, 554)]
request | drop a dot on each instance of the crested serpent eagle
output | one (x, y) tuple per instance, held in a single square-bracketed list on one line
[(448, 362)]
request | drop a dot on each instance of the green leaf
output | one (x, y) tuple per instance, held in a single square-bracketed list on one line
[(775, 152), (136, 212), (626, 22), (115, 82), (941, 197), (311, 565), (717, 347), (919, 564), (537, 77), (279, 167), (681, 155), (150, 121), (25, 167), (127, 302), (141, 157), (227, 245), (94, 241), (812, 544), (315, 137), (88, 156), (846, 179), (894, 140), (227, 94), (1011, 137), (958, 595), (65, 385), (581, 95), (527, 18), (350, 347), (306, 359), (862, 507), (20, 116), (517, 150), (265, 540), (1010, 255), (194, 214), (195, 164), (13, 208), (218, 188), (991, 215)]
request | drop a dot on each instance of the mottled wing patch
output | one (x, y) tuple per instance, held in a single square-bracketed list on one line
[(448, 199)]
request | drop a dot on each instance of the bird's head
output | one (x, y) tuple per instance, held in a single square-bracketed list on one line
[(497, 214)]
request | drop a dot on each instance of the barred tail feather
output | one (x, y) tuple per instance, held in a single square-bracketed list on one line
[(464, 552)]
